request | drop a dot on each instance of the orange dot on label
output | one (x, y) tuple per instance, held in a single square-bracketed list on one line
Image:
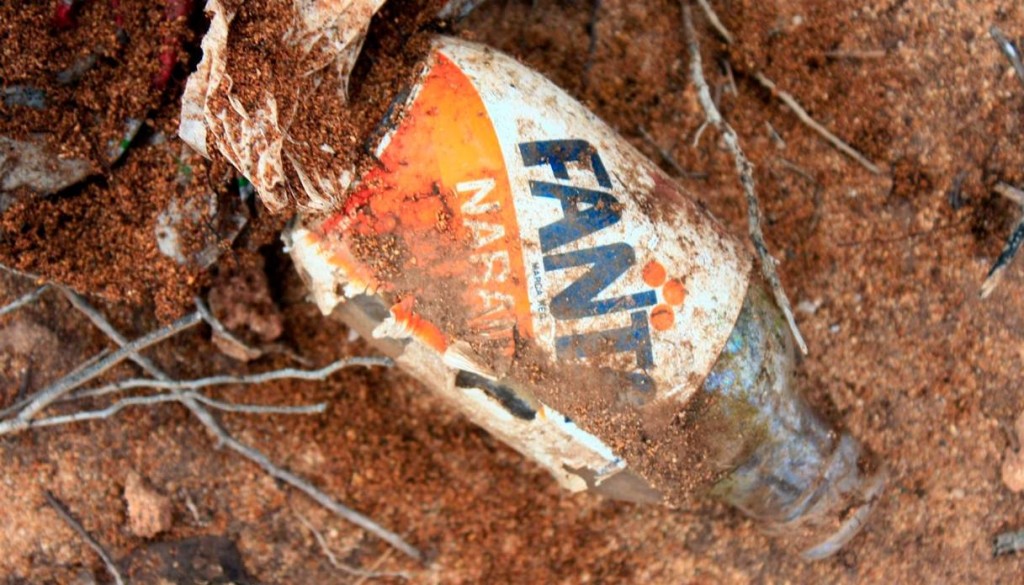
[(654, 273), (662, 317), (674, 292)]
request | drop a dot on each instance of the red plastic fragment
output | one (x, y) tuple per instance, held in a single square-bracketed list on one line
[(64, 14), (173, 10)]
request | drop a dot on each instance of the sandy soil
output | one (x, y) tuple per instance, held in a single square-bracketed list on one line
[(887, 269)]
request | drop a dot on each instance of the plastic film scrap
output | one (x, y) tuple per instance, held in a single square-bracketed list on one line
[(254, 134)]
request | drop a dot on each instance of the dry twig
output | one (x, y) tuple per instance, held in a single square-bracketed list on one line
[(709, 12), (1008, 49), (744, 169), (302, 485), (337, 564), (75, 525), (791, 102), (21, 402), (220, 330), (995, 274), (282, 374), (813, 124), (261, 460), (68, 383), (23, 300), (20, 273), (130, 350), (181, 397)]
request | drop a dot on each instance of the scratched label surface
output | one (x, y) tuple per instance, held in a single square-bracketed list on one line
[(503, 212)]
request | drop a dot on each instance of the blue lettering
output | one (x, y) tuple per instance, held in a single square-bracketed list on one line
[(604, 211), (584, 212), (635, 338), (556, 153), (608, 263)]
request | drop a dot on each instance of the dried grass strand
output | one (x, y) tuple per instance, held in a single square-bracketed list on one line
[(745, 170), (69, 519), (23, 300), (54, 392), (344, 567)]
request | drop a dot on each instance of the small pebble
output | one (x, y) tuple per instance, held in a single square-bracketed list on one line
[(149, 513)]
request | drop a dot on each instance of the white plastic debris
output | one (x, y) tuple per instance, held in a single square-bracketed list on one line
[(253, 136), (30, 164)]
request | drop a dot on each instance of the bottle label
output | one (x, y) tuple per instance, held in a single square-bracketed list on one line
[(505, 223)]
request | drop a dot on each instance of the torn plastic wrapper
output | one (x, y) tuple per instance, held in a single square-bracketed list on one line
[(254, 136), (32, 165), (190, 219)]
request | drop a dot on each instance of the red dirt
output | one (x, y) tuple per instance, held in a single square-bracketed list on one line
[(888, 267)]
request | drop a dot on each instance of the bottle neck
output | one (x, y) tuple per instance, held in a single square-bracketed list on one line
[(782, 464)]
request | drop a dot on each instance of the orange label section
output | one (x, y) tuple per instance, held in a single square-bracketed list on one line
[(435, 223)]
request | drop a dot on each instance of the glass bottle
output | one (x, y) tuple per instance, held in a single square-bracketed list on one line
[(519, 258)]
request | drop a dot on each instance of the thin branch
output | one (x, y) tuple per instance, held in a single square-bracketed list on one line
[(23, 300), (715, 22), (1013, 243), (1010, 192), (337, 564), (667, 156), (297, 482), (182, 397), (1009, 50), (20, 404), (194, 510), (220, 330), (282, 374), (68, 383), (700, 132), (744, 169), (813, 124), (281, 349), (317, 408), (101, 323), (75, 525), (20, 273), (87, 415), (254, 455)]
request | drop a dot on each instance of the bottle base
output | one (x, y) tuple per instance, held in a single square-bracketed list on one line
[(851, 486)]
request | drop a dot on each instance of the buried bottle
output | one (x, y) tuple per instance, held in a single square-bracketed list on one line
[(519, 258)]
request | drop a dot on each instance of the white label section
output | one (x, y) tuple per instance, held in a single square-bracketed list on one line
[(586, 202)]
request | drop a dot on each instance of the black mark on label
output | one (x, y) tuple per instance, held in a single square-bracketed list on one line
[(503, 394)]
